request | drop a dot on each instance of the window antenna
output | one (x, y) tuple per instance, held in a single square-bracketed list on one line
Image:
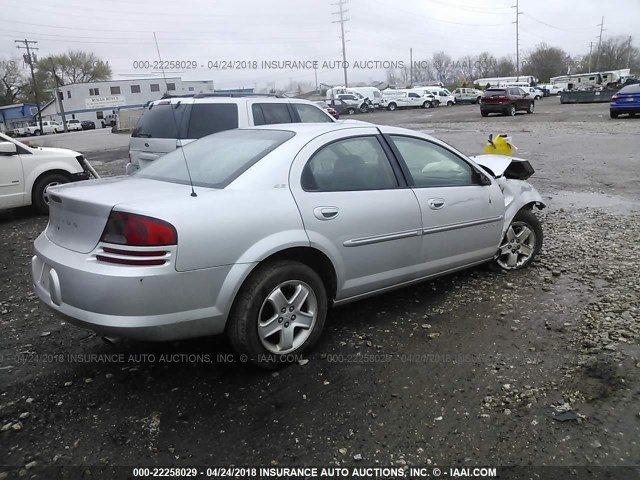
[(173, 114)]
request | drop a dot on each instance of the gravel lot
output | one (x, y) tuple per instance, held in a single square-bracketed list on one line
[(539, 367)]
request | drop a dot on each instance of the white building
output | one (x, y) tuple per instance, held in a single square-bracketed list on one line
[(97, 100)]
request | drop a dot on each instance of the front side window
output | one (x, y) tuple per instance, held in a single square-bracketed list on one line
[(431, 165), (349, 165), (311, 114)]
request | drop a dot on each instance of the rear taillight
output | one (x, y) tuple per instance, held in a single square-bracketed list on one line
[(138, 230)]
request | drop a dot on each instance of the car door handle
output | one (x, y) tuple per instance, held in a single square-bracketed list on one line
[(326, 213), (435, 203)]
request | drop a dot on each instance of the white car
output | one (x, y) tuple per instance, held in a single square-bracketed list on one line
[(26, 172), (72, 125), (33, 128)]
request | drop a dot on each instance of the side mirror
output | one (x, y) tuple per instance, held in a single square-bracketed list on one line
[(8, 148)]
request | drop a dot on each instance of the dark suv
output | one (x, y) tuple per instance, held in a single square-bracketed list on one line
[(507, 100)]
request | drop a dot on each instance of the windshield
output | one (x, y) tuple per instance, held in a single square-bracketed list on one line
[(216, 160)]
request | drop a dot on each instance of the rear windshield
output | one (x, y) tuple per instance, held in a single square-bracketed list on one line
[(631, 89), (186, 121), (216, 160), (495, 93)]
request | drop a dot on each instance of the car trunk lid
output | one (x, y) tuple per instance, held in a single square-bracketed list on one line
[(78, 212)]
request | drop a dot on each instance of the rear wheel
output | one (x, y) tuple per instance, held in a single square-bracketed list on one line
[(279, 312), (351, 110), (613, 114), (449, 103), (392, 107), (426, 105), (483, 113), (37, 133), (521, 242), (39, 196), (511, 111)]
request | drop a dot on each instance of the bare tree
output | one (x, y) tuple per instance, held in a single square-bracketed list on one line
[(11, 80), (545, 62), (442, 65), (486, 64)]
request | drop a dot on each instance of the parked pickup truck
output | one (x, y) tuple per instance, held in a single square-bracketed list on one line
[(467, 95), (26, 172), (34, 129)]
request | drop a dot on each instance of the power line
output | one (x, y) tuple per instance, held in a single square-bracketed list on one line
[(342, 21)]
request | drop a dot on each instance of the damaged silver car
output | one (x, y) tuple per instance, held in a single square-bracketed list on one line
[(257, 232)]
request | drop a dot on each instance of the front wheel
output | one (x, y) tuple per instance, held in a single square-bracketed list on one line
[(483, 113), (521, 242), (39, 196), (37, 133), (426, 105), (392, 107), (449, 103), (530, 108), (613, 114), (279, 312)]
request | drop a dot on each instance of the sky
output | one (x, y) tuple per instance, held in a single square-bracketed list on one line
[(210, 35)]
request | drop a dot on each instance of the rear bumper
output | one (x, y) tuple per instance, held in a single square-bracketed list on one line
[(145, 303), (494, 107), (622, 109)]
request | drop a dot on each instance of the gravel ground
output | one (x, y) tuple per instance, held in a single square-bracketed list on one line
[(537, 367)]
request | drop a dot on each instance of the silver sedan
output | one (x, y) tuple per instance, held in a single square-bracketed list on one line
[(257, 232)]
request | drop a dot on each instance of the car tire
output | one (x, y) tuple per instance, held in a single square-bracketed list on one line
[(426, 105), (483, 113), (391, 107), (525, 231), (530, 108), (351, 111), (449, 103), (37, 133), (613, 114), (512, 110), (38, 195), (268, 290)]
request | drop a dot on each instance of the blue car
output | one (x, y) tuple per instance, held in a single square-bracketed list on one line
[(626, 101)]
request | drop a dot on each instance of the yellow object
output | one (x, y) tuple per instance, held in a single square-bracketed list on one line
[(500, 145)]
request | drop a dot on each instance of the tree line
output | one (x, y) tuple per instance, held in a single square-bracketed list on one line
[(543, 62)]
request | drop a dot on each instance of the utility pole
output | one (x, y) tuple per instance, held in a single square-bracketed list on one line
[(601, 25), (341, 12), (29, 58), (411, 66), (59, 96), (518, 13), (629, 53), (590, 52)]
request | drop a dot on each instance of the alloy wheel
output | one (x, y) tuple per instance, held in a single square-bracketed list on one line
[(518, 246)]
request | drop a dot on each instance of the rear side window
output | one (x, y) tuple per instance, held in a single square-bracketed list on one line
[(216, 160), (161, 121), (208, 118), (311, 114), (271, 113)]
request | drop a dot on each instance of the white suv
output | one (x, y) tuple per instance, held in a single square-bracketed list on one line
[(172, 122)]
